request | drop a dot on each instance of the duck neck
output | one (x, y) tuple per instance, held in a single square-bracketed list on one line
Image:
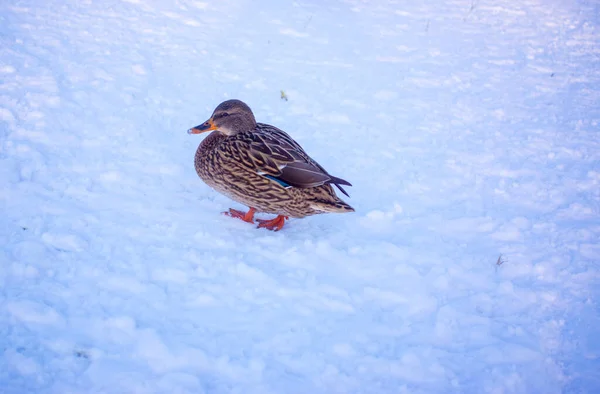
[(212, 141), (208, 145)]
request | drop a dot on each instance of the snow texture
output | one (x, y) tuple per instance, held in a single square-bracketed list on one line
[(469, 129)]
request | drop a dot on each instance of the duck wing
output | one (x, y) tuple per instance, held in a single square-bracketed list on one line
[(273, 154)]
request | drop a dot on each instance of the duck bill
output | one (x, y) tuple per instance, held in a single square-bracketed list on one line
[(204, 127)]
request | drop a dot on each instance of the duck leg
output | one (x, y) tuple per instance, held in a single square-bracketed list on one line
[(247, 217), (273, 224)]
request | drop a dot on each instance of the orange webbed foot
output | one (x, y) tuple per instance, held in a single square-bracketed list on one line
[(247, 217), (273, 224)]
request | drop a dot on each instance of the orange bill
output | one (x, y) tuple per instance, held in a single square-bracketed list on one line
[(204, 127)]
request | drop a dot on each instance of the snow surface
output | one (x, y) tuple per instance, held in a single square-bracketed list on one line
[(469, 129)]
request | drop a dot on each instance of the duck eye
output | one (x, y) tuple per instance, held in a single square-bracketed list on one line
[(223, 114)]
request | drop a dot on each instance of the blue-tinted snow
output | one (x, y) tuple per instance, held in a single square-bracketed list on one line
[(468, 129)]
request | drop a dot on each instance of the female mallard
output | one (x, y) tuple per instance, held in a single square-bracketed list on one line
[(262, 167)]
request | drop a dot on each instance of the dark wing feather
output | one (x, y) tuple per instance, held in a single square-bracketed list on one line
[(303, 174), (283, 136), (274, 153)]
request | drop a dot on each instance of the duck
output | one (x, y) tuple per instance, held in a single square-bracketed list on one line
[(262, 167)]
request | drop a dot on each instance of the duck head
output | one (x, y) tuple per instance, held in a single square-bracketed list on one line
[(230, 117)]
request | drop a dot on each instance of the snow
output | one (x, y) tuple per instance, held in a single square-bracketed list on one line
[(468, 129)]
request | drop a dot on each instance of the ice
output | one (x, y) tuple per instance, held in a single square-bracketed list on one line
[(30, 312)]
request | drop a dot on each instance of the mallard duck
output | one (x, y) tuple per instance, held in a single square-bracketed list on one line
[(262, 167)]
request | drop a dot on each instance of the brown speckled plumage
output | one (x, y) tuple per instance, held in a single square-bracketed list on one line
[(262, 167)]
